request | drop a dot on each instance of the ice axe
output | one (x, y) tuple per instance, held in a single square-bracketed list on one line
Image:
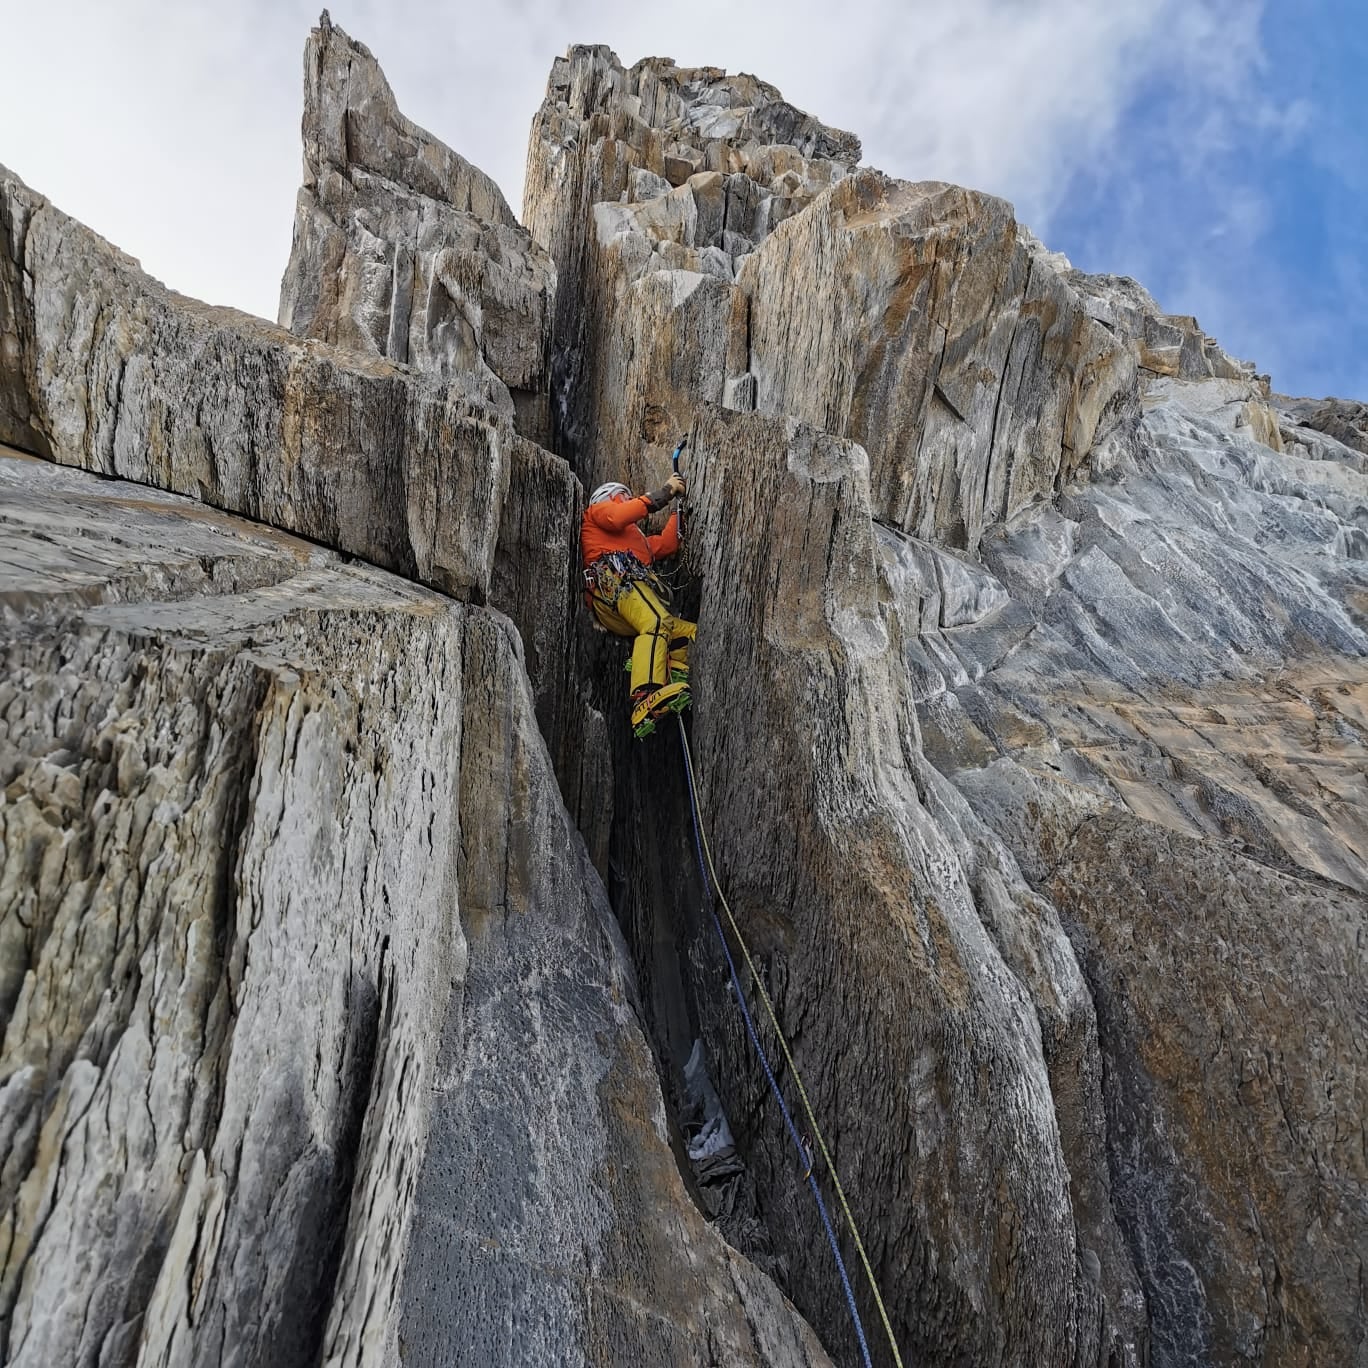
[(674, 469)]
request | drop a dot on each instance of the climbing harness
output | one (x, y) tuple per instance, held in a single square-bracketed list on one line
[(613, 573), (803, 1145)]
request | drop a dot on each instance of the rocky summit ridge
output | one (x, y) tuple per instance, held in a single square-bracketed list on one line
[(358, 996)]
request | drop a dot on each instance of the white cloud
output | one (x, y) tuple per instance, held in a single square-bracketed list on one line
[(174, 128)]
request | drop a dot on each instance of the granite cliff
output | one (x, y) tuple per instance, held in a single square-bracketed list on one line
[(355, 985)]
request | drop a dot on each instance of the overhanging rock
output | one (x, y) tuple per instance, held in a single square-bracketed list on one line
[(118, 375)]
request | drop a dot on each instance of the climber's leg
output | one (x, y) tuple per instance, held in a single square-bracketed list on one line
[(610, 618), (640, 606), (681, 635)]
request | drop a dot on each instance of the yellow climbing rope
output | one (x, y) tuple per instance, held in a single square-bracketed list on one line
[(793, 1067)]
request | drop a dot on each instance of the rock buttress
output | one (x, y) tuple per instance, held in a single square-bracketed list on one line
[(702, 259), (934, 1003), (299, 940)]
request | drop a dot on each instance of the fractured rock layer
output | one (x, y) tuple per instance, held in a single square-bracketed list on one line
[(123, 377), (915, 319), (929, 993)]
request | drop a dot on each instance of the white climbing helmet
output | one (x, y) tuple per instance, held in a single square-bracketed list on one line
[(606, 491)]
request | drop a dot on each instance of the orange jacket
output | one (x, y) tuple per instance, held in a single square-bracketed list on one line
[(610, 526)]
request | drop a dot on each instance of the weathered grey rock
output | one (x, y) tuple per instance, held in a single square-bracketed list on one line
[(1231, 1009), (230, 927), (403, 249), (986, 379), (1166, 722), (910, 318), (273, 825), (1030, 731), (124, 377), (420, 474), (740, 159), (1171, 345), (1342, 419)]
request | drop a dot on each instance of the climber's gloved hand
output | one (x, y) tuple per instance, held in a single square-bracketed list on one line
[(674, 487)]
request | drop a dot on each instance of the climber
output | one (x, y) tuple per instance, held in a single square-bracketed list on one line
[(629, 599)]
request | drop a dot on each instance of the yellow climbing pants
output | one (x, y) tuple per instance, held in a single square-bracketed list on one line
[(662, 640)]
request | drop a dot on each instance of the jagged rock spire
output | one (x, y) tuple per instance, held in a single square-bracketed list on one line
[(404, 249)]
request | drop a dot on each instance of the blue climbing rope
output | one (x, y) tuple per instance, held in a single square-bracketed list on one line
[(760, 1049)]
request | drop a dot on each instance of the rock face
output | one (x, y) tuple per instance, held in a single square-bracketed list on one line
[(912, 318), (1344, 420), (123, 377), (1031, 732), (864, 874), (420, 473), (645, 186), (273, 825), (1164, 718), (886, 630), (403, 249)]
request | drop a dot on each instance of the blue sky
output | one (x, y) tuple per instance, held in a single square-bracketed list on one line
[(1257, 224), (1213, 149)]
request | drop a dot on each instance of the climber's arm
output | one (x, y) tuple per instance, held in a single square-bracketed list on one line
[(618, 517), (666, 541)]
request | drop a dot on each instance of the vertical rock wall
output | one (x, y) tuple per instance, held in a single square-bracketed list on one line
[(320, 1043), (230, 920), (971, 1028), (701, 261)]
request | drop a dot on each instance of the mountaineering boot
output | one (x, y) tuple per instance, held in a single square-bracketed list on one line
[(650, 703), (643, 723), (671, 698)]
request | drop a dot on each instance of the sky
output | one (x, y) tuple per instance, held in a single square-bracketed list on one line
[(1216, 150)]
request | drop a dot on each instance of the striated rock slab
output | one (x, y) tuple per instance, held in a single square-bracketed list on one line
[(404, 250), (1231, 1011), (274, 825), (551, 1221), (1162, 711), (1343, 420), (912, 319), (229, 916), (1167, 345), (123, 377)]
